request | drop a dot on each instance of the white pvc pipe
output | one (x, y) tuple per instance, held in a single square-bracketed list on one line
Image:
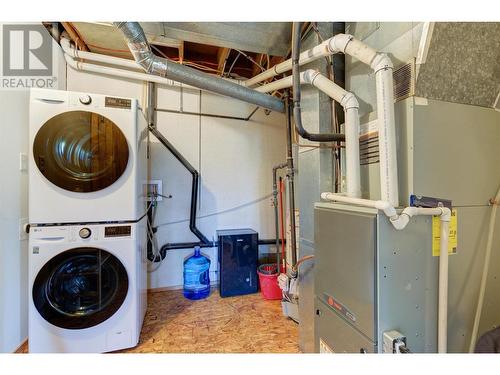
[(71, 54), (384, 206), (115, 72), (350, 104), (387, 136), (305, 57), (399, 222), (97, 57), (382, 66), (443, 288)]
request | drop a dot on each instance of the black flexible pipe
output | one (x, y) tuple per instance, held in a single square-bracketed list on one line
[(316, 137), (194, 185), (275, 202), (190, 245), (338, 67)]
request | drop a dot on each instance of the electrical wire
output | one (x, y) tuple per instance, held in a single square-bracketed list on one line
[(152, 237), (232, 209), (251, 59), (232, 65)]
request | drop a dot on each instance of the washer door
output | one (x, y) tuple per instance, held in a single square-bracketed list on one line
[(80, 288), (81, 151)]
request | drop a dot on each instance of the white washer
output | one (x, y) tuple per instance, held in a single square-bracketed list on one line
[(87, 287), (87, 158)]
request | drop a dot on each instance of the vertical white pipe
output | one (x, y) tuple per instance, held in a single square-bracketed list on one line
[(387, 136), (353, 177), (484, 277), (443, 288)]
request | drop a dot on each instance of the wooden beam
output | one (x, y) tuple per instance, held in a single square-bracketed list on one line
[(75, 37), (222, 55), (181, 52)]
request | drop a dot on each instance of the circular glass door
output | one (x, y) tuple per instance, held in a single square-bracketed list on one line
[(80, 288), (81, 151)]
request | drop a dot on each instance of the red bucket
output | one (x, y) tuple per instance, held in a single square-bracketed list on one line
[(268, 280)]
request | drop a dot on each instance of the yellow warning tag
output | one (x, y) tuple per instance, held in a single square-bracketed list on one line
[(436, 226)]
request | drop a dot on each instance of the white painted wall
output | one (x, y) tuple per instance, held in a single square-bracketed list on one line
[(234, 158), (14, 106)]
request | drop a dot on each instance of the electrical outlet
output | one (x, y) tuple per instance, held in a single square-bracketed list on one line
[(154, 187)]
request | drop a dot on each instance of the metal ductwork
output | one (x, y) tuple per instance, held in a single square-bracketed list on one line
[(152, 64)]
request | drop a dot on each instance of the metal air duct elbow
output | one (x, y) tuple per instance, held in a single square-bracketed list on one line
[(152, 64)]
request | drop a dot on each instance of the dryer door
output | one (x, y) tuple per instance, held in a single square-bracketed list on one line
[(81, 151), (80, 288)]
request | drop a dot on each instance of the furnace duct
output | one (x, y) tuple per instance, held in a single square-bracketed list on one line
[(155, 65)]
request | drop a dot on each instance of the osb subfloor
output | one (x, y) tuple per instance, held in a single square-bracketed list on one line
[(244, 324)]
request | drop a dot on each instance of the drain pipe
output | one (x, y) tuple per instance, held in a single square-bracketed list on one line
[(350, 105), (155, 65), (204, 242), (297, 115), (399, 222), (290, 173), (276, 218)]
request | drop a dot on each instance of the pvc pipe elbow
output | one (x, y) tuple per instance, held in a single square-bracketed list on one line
[(339, 42), (309, 75), (445, 214), (349, 101), (381, 61), (400, 222), (388, 209)]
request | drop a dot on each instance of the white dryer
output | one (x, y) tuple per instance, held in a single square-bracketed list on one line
[(87, 287), (87, 158)]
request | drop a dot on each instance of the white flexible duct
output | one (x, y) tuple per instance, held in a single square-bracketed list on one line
[(382, 66), (486, 268), (399, 222), (350, 104)]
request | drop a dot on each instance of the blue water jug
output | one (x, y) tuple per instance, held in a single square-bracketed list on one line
[(196, 276)]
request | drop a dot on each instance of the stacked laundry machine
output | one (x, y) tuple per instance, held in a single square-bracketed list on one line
[(87, 213)]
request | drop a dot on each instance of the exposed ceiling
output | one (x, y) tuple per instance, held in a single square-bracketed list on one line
[(241, 49)]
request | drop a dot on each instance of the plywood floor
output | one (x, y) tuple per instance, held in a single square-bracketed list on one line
[(244, 324)]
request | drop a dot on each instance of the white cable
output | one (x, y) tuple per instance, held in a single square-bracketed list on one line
[(152, 238), (258, 200), (486, 267)]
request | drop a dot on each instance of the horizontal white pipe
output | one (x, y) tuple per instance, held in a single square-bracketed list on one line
[(97, 57), (350, 104), (305, 57), (384, 206), (116, 72), (139, 75), (279, 84)]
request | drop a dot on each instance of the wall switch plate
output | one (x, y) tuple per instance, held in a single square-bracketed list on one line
[(22, 229), (23, 162)]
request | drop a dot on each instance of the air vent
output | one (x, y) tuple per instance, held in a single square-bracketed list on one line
[(404, 81), (368, 149)]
